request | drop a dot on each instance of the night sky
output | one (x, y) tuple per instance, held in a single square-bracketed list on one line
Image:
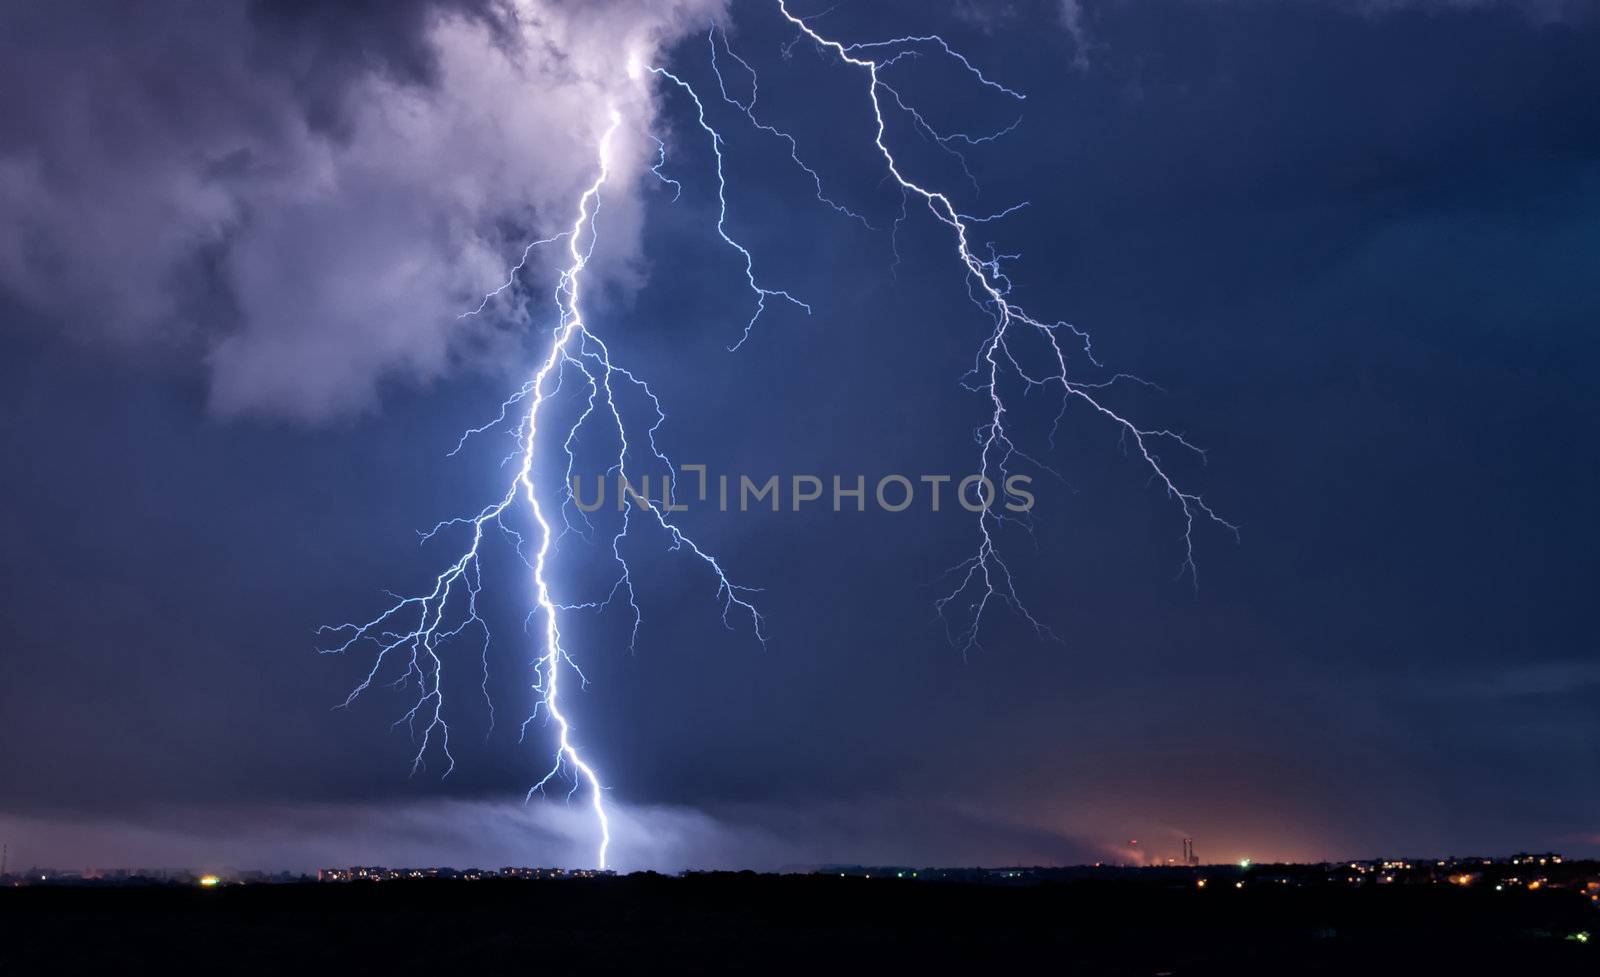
[(1357, 245)]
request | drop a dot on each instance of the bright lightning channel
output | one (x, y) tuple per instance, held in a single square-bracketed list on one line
[(417, 626)]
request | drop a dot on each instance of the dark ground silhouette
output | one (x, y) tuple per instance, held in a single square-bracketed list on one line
[(761, 924)]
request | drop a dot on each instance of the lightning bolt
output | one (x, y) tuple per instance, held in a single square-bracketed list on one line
[(413, 630), (985, 577), (761, 293), (416, 627)]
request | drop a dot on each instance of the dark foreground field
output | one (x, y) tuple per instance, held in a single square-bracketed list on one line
[(755, 924)]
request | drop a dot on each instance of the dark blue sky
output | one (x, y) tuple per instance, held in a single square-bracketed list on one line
[(1357, 249)]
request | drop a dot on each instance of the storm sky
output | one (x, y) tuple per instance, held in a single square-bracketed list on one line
[(1357, 245)]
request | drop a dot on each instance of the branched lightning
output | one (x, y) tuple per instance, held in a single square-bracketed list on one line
[(413, 631), (417, 627), (985, 576), (749, 110), (761, 293)]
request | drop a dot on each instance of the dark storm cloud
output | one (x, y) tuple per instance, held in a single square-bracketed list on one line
[(138, 118), (304, 195), (323, 48)]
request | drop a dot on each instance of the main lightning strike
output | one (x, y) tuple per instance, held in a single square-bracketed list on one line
[(435, 618)]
